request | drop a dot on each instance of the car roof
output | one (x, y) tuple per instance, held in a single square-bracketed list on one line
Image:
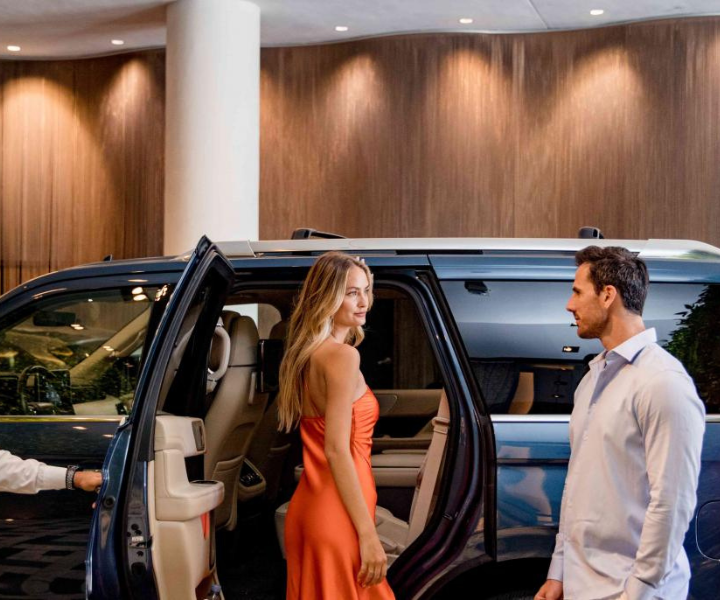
[(646, 249), (684, 250)]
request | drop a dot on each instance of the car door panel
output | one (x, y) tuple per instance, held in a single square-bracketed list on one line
[(121, 554), (181, 524), (405, 421)]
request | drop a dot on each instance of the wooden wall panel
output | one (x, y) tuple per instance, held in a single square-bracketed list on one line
[(424, 135), (506, 135), (81, 162)]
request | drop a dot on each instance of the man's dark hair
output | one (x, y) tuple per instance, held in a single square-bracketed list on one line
[(617, 266)]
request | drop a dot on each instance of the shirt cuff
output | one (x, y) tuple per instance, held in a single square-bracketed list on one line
[(51, 478), (638, 590), (556, 569)]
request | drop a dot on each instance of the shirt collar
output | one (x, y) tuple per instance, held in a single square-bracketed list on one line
[(629, 349)]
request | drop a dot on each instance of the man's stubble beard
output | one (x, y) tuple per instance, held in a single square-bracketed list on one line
[(594, 331)]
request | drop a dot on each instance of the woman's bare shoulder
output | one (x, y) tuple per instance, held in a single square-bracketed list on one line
[(333, 355)]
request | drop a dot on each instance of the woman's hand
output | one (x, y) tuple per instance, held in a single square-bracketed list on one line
[(373, 567)]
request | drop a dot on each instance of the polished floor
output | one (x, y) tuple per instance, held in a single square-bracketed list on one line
[(47, 563)]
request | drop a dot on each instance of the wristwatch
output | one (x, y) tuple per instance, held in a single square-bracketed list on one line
[(70, 476)]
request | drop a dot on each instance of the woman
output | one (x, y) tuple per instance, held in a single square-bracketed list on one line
[(333, 550)]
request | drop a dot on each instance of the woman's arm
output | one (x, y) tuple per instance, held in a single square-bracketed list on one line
[(341, 369)]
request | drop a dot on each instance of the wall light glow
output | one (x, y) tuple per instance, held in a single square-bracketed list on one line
[(14, 48)]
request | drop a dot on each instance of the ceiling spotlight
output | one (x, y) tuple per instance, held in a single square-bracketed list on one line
[(341, 28), (466, 20), (117, 42), (595, 12), (14, 48)]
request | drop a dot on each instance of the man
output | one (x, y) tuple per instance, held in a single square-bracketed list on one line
[(636, 436), (30, 476)]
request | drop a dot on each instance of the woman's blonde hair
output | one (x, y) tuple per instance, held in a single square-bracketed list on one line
[(311, 324)]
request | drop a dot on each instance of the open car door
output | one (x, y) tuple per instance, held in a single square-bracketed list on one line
[(152, 534)]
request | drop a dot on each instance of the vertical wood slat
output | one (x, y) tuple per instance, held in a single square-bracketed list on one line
[(438, 135), (529, 135), (80, 162)]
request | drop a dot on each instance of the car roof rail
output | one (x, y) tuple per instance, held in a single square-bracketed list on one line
[(305, 233), (652, 248), (590, 233)]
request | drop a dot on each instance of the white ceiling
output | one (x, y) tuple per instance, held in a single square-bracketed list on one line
[(78, 28)]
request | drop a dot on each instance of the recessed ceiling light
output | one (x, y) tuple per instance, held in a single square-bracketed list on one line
[(466, 20), (14, 48), (595, 12), (341, 28), (117, 42)]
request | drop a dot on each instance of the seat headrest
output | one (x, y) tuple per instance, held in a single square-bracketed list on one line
[(243, 339), (279, 330)]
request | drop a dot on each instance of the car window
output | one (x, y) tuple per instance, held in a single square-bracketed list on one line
[(396, 353), (528, 359), (74, 354)]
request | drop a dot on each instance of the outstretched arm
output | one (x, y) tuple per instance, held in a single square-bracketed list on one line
[(28, 476)]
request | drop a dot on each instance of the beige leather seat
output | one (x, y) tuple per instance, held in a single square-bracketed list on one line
[(234, 414), (396, 534), (270, 447)]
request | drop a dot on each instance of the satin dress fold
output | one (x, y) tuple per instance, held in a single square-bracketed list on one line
[(323, 553)]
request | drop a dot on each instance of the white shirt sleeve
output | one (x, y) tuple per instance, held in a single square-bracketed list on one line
[(672, 420), (557, 564), (28, 476)]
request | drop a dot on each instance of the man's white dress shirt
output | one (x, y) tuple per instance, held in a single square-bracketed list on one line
[(28, 476), (636, 437)]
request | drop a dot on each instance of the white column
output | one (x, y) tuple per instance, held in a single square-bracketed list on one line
[(212, 130)]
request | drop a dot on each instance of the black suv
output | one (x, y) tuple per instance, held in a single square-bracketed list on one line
[(164, 371)]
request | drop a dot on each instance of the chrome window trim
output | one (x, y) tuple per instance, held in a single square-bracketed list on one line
[(60, 418), (711, 418)]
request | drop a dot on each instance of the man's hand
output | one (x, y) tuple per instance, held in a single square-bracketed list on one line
[(88, 481), (551, 590)]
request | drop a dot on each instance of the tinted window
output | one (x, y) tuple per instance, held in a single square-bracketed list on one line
[(76, 354), (528, 359)]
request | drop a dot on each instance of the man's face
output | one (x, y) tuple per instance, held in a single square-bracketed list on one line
[(587, 306)]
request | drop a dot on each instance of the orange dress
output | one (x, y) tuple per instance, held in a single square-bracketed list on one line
[(323, 554)]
